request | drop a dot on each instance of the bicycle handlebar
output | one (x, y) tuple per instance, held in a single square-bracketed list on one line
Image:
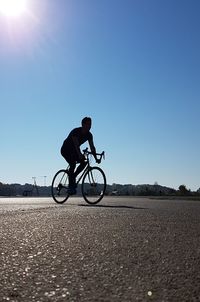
[(102, 154)]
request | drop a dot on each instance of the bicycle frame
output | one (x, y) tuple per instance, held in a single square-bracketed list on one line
[(87, 167)]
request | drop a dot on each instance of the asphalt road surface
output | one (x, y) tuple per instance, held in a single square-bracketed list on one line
[(124, 249)]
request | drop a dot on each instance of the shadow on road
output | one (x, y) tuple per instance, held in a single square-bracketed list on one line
[(110, 206)]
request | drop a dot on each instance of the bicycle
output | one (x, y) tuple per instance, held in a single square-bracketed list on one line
[(93, 185)]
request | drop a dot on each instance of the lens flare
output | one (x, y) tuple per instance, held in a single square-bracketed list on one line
[(13, 8)]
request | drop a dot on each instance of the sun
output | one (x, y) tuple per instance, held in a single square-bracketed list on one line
[(13, 8)]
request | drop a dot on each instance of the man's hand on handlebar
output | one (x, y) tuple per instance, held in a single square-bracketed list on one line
[(98, 160)]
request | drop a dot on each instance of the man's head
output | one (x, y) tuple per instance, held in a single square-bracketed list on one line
[(86, 124)]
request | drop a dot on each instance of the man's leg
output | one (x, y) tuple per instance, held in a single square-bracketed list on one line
[(69, 157), (72, 166), (80, 168)]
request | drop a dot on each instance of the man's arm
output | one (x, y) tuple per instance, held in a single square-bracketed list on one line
[(93, 149)]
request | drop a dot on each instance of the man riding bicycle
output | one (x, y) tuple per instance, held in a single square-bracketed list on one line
[(71, 152)]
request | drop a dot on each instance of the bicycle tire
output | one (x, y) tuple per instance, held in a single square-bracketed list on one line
[(59, 186), (93, 185)]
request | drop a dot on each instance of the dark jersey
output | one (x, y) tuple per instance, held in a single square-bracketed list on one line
[(68, 144)]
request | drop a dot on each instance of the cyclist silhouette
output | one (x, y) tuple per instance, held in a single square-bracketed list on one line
[(71, 152)]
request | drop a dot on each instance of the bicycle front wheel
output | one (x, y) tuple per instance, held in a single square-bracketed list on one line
[(59, 187), (93, 185)]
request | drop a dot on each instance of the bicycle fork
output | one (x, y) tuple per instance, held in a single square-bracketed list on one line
[(91, 178)]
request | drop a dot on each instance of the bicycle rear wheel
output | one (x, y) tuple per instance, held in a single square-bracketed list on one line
[(93, 185), (59, 187)]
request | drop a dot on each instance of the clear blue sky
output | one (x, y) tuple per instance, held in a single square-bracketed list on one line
[(132, 65)]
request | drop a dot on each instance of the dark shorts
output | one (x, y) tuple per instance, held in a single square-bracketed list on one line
[(69, 155)]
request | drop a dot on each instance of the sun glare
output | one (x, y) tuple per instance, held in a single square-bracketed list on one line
[(12, 8)]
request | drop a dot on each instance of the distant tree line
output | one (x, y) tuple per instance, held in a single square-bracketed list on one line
[(23, 190), (112, 190)]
